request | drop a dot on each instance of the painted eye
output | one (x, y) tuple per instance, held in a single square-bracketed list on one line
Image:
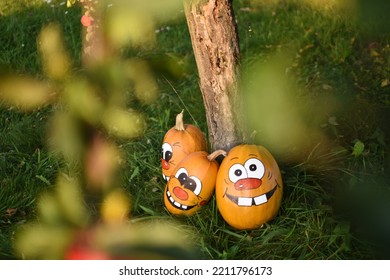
[(237, 172), (182, 175), (166, 151), (193, 184), (255, 168)]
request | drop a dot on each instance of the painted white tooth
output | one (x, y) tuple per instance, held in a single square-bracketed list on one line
[(177, 204), (171, 199), (168, 193), (166, 178), (244, 201), (260, 199), (184, 207)]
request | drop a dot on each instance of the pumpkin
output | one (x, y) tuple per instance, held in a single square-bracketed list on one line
[(180, 141), (192, 183), (249, 187)]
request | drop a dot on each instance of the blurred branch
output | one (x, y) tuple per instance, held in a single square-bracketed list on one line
[(87, 214)]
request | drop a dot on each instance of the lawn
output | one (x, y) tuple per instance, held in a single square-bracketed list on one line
[(332, 66)]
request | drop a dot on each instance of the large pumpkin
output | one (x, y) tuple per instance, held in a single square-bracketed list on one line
[(192, 183), (180, 141), (249, 187)]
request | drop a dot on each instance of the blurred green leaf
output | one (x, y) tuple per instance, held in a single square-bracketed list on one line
[(49, 210), (134, 22), (26, 93), (162, 10), (169, 65), (128, 25), (145, 85), (36, 241), (56, 62), (83, 101), (275, 109), (64, 137), (358, 148), (68, 190), (123, 124)]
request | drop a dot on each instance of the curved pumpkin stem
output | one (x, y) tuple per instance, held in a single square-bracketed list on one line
[(216, 154), (179, 121)]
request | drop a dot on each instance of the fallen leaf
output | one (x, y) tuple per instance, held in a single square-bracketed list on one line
[(374, 53), (327, 87), (10, 212), (333, 120)]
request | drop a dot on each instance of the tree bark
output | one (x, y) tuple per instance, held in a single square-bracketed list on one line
[(215, 43)]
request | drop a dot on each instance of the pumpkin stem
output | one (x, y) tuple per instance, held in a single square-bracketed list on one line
[(179, 121), (215, 154)]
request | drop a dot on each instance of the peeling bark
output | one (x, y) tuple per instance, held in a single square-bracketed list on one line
[(215, 43)]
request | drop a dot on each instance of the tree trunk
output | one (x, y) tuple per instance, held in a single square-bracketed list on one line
[(215, 43)]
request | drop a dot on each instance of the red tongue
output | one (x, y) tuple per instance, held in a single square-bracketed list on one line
[(180, 193), (165, 164), (247, 184)]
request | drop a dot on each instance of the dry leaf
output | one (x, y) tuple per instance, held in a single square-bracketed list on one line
[(10, 212)]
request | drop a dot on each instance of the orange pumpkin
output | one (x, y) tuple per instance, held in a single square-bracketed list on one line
[(180, 141), (249, 187), (192, 183)]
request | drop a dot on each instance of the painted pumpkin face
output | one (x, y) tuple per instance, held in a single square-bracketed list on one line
[(249, 187), (191, 185), (180, 141)]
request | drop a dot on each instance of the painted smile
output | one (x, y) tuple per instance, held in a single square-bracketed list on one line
[(252, 201), (177, 204)]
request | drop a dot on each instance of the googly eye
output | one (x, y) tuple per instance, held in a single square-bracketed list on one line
[(166, 151), (236, 172), (194, 184), (255, 168), (182, 175)]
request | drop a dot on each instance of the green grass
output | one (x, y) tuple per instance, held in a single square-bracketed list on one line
[(335, 205)]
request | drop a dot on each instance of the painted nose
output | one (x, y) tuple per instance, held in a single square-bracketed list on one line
[(247, 184), (180, 193), (165, 164)]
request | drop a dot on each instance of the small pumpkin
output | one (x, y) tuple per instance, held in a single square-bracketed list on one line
[(192, 183), (180, 141), (249, 187)]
